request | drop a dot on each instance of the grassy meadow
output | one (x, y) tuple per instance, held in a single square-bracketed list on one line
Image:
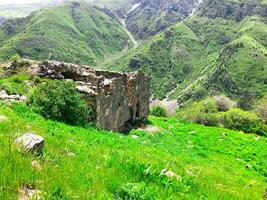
[(87, 163)]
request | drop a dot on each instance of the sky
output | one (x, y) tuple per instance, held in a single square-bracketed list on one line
[(5, 2)]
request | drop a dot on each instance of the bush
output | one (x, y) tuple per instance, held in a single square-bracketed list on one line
[(158, 111), (133, 191), (224, 103), (203, 114), (238, 119), (59, 100), (208, 106)]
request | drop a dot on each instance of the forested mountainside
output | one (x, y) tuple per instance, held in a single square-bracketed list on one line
[(149, 16), (220, 49), (73, 31)]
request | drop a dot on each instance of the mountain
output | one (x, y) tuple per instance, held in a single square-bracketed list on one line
[(145, 18), (73, 32), (222, 48), (148, 17)]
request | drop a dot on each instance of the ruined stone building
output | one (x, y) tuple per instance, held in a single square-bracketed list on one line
[(118, 99)]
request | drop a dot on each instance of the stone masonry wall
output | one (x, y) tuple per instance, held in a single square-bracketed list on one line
[(118, 99)]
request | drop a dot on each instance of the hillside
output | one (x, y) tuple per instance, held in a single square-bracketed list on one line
[(84, 163), (72, 32), (149, 17), (214, 51)]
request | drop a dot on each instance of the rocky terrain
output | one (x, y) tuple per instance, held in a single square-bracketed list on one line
[(119, 100)]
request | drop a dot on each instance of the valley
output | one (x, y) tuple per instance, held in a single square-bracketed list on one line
[(133, 99)]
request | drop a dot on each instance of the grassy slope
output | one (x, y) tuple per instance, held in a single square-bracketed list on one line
[(79, 34), (193, 54), (211, 161)]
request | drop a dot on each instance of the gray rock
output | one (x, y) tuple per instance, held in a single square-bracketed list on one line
[(30, 143), (14, 97)]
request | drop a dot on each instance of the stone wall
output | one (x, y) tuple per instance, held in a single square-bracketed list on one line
[(118, 99)]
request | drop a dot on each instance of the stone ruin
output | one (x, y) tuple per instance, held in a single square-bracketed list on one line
[(119, 100)]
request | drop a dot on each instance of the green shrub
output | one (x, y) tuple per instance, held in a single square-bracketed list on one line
[(202, 113), (238, 119), (208, 106), (59, 100), (133, 191), (158, 111)]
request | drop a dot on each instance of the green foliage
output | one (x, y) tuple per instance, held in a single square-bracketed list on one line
[(16, 84), (238, 119), (210, 113), (59, 100), (208, 106), (133, 191), (15, 57), (205, 55), (158, 111), (211, 161), (204, 112)]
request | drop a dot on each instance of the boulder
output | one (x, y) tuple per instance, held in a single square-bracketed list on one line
[(30, 143)]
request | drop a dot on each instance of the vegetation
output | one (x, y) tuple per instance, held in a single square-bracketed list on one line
[(207, 54), (73, 32), (59, 100), (215, 112), (84, 163), (158, 111), (16, 84), (245, 121)]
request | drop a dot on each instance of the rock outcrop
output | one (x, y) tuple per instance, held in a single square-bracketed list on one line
[(119, 100)]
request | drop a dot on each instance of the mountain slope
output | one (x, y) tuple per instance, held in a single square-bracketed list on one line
[(149, 17), (72, 32), (145, 18), (214, 51)]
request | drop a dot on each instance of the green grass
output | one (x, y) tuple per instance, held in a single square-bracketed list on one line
[(16, 84), (211, 161)]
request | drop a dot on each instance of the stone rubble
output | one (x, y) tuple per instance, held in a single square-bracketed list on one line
[(15, 97), (28, 193), (119, 100)]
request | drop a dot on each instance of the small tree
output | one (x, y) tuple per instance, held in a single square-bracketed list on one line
[(158, 111), (59, 100)]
